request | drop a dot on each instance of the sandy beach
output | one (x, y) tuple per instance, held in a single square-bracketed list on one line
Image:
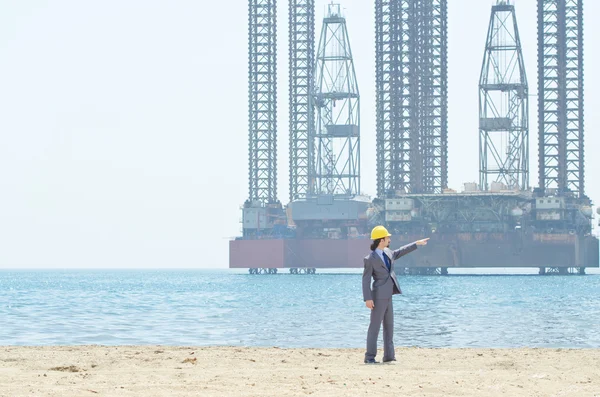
[(241, 371)]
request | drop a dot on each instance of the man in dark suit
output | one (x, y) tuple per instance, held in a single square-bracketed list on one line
[(379, 266)]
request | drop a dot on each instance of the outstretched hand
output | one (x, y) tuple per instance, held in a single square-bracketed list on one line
[(422, 242)]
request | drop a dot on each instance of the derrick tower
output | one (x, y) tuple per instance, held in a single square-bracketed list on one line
[(337, 105), (503, 105), (331, 205)]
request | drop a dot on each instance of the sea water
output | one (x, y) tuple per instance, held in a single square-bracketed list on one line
[(228, 307)]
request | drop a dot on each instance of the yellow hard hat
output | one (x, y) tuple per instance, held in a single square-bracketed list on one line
[(379, 232)]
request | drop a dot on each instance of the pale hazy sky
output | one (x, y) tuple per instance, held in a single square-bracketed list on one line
[(123, 124)]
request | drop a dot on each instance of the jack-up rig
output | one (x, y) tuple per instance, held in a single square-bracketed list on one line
[(498, 222)]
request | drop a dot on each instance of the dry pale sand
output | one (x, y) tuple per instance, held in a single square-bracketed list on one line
[(233, 371)]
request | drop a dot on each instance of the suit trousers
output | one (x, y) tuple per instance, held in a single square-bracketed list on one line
[(383, 312)]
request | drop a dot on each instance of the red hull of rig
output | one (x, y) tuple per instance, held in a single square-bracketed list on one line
[(461, 250)]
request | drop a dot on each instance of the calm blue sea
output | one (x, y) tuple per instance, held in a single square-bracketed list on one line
[(225, 307)]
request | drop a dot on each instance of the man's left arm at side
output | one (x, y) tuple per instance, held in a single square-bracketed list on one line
[(366, 280)]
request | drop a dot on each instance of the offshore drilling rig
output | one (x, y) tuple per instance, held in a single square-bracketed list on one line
[(499, 222)]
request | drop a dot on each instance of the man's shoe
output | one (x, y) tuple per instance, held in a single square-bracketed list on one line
[(371, 361), (385, 360)]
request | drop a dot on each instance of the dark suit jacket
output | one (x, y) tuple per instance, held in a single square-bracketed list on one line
[(385, 283)]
